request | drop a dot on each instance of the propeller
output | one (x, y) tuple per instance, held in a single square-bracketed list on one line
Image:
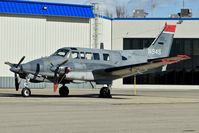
[(56, 78), (16, 77), (20, 61)]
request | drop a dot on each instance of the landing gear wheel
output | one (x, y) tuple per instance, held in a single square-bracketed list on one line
[(63, 91), (26, 92), (105, 93)]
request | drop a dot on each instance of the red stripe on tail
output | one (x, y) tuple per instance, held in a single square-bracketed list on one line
[(170, 28)]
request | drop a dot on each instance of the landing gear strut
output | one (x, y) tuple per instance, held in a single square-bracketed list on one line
[(26, 92), (63, 91), (105, 92)]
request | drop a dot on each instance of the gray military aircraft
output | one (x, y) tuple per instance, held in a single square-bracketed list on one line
[(101, 66)]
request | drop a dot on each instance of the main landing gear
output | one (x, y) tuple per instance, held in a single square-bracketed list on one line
[(105, 92), (63, 91)]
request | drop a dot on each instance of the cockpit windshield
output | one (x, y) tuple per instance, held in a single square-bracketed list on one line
[(61, 52)]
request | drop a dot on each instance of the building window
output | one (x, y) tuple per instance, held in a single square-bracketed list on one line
[(195, 47)]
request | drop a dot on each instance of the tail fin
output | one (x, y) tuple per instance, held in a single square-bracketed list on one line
[(161, 46)]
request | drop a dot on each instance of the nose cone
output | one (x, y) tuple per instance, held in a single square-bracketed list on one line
[(15, 69)]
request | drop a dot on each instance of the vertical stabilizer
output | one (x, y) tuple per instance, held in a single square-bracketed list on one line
[(161, 46)]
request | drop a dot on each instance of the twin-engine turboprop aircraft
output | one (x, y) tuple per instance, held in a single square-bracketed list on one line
[(95, 65)]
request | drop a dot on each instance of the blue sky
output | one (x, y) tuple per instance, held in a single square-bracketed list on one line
[(161, 8)]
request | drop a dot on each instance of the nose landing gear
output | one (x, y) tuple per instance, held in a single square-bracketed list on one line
[(26, 92)]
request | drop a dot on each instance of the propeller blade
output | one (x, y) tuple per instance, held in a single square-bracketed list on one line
[(55, 80), (55, 86), (16, 82), (20, 61), (8, 63), (55, 75)]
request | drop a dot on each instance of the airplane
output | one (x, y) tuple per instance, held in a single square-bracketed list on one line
[(101, 66)]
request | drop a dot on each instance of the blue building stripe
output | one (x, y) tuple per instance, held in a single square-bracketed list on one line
[(44, 8)]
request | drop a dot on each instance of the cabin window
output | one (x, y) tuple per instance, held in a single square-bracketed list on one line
[(82, 55), (96, 56), (74, 55), (124, 58), (89, 56), (106, 57)]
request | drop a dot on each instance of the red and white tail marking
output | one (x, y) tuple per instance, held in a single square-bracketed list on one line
[(169, 28)]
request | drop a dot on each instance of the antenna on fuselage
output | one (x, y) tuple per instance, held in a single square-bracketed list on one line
[(101, 45)]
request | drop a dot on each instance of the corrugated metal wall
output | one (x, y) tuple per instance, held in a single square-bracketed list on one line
[(36, 36)]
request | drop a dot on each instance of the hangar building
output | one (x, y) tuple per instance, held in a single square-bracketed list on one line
[(138, 33), (36, 29)]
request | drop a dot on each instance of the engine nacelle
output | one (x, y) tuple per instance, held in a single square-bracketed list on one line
[(61, 69)]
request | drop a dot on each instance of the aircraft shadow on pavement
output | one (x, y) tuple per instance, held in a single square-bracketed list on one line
[(114, 96)]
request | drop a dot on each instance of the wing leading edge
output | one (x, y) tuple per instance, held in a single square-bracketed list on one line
[(124, 71)]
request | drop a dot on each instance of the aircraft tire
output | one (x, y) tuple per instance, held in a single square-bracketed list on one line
[(26, 92), (63, 91), (105, 93)]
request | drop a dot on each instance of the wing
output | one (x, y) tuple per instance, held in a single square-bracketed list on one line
[(124, 71)]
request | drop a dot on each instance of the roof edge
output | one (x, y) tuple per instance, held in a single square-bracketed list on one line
[(49, 3), (155, 19)]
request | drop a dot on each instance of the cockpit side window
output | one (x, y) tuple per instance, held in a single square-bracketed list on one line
[(61, 52), (74, 55)]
